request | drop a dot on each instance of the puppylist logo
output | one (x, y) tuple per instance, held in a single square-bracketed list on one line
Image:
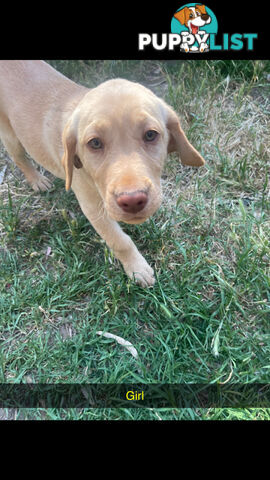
[(193, 30)]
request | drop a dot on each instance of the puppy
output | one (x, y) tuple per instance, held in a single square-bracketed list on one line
[(109, 143)]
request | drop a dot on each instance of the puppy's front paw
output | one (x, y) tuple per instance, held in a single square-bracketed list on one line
[(39, 182), (141, 272)]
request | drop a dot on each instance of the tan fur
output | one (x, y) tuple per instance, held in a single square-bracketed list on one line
[(52, 119)]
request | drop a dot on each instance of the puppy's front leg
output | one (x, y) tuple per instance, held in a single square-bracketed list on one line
[(135, 266)]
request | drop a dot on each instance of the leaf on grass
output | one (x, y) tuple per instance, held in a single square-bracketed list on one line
[(121, 341)]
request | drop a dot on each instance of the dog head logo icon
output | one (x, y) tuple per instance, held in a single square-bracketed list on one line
[(194, 22), (193, 17)]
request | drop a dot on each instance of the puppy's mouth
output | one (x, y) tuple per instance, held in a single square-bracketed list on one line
[(131, 218), (194, 28), (134, 220)]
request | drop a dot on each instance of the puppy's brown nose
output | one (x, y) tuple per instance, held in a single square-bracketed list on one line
[(132, 202)]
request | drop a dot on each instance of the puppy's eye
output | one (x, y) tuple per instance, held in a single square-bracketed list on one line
[(95, 143), (150, 136)]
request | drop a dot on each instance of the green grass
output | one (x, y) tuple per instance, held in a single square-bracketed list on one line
[(207, 317)]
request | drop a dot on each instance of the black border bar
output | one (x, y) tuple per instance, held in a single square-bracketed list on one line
[(111, 32)]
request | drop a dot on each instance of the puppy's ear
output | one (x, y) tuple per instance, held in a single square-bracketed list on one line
[(201, 9), (70, 158), (182, 15), (178, 141)]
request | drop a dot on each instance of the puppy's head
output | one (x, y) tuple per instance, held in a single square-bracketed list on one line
[(119, 136), (193, 17)]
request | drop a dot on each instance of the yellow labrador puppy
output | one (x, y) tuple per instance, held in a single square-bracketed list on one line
[(109, 143)]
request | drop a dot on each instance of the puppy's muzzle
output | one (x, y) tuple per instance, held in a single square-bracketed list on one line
[(132, 202)]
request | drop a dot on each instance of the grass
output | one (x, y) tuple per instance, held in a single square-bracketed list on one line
[(207, 317)]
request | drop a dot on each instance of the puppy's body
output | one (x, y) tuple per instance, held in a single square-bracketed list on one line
[(35, 103), (109, 143)]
